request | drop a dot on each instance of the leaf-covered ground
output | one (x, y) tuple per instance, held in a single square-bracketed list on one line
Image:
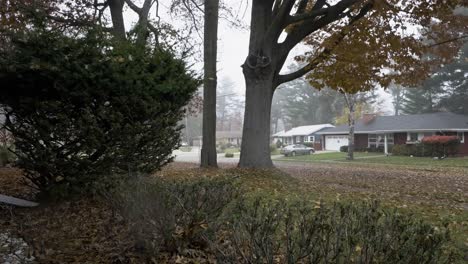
[(85, 231)]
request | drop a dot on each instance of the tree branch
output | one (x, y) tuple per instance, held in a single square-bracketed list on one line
[(278, 22), (309, 26), (133, 6), (447, 41), (327, 51), (306, 16)]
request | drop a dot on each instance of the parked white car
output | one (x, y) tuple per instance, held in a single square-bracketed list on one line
[(297, 149)]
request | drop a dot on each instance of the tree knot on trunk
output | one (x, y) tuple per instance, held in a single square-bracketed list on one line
[(257, 67), (257, 61)]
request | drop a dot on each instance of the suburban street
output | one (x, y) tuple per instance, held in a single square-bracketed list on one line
[(194, 156)]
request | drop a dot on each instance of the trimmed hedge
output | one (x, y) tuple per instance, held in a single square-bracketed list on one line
[(440, 146), (434, 146), (293, 230)]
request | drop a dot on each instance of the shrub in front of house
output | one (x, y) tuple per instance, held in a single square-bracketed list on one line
[(344, 149), (309, 144), (400, 150), (438, 146), (433, 146), (229, 155), (292, 230), (416, 150), (279, 144)]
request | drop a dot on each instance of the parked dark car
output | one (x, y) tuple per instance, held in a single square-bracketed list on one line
[(296, 149)]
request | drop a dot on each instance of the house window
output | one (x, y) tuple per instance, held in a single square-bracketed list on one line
[(311, 138), (412, 137), (372, 140), (461, 136), (378, 140)]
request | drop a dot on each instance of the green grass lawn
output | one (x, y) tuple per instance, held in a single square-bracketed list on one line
[(329, 156), (379, 158)]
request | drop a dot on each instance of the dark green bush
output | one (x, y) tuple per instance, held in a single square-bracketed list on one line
[(279, 144), (439, 146), (173, 216), (400, 150), (81, 108), (229, 155), (265, 230), (416, 150), (344, 149)]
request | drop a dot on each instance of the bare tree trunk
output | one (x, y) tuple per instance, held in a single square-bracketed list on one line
[(398, 103), (208, 152), (259, 70), (116, 10), (255, 148), (351, 122), (350, 102)]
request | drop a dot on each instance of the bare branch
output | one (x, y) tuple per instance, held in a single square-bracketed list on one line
[(278, 22), (133, 6), (447, 41)]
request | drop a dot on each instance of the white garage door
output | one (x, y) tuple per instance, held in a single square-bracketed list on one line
[(335, 142)]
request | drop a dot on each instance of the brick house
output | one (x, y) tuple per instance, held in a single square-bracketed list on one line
[(384, 131)]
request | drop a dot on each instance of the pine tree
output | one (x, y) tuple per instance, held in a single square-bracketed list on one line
[(419, 100), (454, 79)]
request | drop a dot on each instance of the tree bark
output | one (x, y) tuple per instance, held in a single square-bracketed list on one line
[(208, 152), (118, 25), (351, 122), (256, 132), (259, 70)]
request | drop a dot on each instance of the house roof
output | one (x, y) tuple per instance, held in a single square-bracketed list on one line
[(279, 134), (229, 134), (422, 122), (302, 130)]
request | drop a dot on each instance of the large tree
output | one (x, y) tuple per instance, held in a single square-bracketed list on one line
[(331, 29)]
